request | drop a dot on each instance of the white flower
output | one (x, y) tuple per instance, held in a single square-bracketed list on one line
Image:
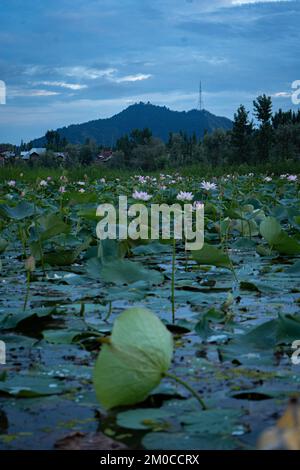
[(62, 189), (81, 183), (198, 205), (267, 179), (81, 190), (49, 178), (184, 196), (282, 177), (208, 186), (142, 179), (43, 183), (11, 183), (292, 178), (102, 180), (141, 195)]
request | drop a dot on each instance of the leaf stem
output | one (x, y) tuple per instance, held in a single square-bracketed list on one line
[(109, 312), (188, 387), (173, 280), (27, 291)]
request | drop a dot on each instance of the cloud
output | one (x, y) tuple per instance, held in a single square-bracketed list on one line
[(89, 73), (246, 2), (69, 86), (131, 78), (282, 94), (55, 51), (21, 92)]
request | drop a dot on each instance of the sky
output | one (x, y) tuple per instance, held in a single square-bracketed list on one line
[(71, 61)]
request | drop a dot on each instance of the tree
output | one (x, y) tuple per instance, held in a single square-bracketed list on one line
[(263, 113), (240, 136), (54, 141), (216, 147), (85, 155)]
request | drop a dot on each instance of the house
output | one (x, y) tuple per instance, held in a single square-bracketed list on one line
[(33, 154), (104, 156), (25, 155), (6, 156), (61, 156)]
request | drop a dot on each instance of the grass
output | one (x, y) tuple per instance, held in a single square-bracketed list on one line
[(13, 172)]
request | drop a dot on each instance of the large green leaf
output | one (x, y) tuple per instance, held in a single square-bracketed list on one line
[(3, 245), (19, 212), (122, 272), (277, 238), (133, 363), (52, 225), (213, 256), (271, 230)]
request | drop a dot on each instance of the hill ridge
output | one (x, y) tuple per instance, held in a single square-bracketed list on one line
[(160, 119)]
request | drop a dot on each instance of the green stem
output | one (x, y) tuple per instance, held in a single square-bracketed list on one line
[(188, 387), (109, 311), (173, 280), (41, 255), (27, 291)]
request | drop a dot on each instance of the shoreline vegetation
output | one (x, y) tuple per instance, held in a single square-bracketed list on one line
[(26, 173)]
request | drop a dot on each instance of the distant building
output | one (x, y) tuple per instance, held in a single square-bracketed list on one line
[(6, 156), (104, 156), (25, 155), (61, 156), (33, 154)]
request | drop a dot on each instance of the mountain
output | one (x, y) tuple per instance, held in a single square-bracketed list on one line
[(159, 119)]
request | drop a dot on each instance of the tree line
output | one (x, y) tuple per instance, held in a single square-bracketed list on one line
[(272, 137), (275, 137)]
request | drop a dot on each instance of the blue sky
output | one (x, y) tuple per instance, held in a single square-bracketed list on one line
[(70, 61)]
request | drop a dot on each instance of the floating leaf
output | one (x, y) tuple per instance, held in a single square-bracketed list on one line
[(27, 386), (15, 318), (213, 256), (122, 272), (19, 212), (143, 418)]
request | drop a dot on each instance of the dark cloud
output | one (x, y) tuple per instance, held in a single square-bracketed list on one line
[(71, 60)]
